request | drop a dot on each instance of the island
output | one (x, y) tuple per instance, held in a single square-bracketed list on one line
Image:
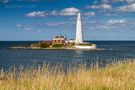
[(61, 42)]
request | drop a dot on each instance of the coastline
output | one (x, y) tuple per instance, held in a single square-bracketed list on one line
[(63, 48)]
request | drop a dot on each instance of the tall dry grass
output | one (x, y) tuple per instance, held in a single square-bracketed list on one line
[(118, 76)]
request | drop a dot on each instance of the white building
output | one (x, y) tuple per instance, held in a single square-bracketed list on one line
[(59, 39)]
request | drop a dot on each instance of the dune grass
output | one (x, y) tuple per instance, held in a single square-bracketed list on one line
[(117, 76)]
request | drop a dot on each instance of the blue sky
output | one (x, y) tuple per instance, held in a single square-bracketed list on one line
[(43, 19)]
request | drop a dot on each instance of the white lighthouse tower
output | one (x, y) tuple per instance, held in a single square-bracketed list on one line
[(79, 36), (79, 30)]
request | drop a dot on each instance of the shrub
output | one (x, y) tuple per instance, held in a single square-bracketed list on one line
[(57, 45), (44, 45), (87, 44)]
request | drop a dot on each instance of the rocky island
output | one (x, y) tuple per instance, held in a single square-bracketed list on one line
[(61, 42)]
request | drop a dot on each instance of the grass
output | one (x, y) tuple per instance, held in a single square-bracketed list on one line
[(117, 76)]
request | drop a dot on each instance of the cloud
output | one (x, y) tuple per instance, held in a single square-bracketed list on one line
[(111, 13), (106, 6), (25, 27), (106, 1), (37, 14), (32, 26), (19, 26), (120, 21), (32, 0), (129, 8), (54, 13), (112, 1), (64, 12), (28, 28), (123, 5), (55, 24), (102, 6), (90, 13), (111, 24), (127, 1), (4, 1), (69, 11)]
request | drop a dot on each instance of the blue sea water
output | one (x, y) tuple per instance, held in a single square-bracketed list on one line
[(110, 51)]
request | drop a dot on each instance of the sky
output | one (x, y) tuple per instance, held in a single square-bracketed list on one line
[(32, 20)]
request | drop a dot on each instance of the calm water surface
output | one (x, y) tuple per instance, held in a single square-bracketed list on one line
[(110, 51)]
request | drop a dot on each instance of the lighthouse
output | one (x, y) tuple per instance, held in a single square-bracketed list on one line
[(79, 30), (79, 36)]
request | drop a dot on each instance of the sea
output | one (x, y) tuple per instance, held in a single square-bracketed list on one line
[(108, 52)]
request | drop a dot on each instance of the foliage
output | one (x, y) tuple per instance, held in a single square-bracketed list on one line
[(41, 45), (86, 44), (71, 44), (44, 45), (57, 45)]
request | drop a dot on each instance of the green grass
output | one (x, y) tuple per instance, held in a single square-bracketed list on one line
[(117, 76), (57, 45)]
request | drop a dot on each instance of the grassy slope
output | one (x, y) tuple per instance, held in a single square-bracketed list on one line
[(120, 76)]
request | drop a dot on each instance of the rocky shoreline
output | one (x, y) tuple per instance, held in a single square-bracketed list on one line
[(62, 48)]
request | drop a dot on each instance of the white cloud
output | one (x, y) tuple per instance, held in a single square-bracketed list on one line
[(111, 1), (54, 13), (4, 1), (58, 24), (106, 6), (64, 12), (105, 1), (120, 21), (90, 13), (28, 28), (24, 0), (37, 14), (25, 27), (127, 1), (111, 14), (34, 26), (19, 26), (129, 8), (55, 24), (31, 0), (102, 6), (69, 11)]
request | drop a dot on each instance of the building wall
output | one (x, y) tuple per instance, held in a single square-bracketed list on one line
[(58, 40)]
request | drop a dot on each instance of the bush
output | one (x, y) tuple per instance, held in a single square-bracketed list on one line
[(44, 45), (89, 44), (57, 45)]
